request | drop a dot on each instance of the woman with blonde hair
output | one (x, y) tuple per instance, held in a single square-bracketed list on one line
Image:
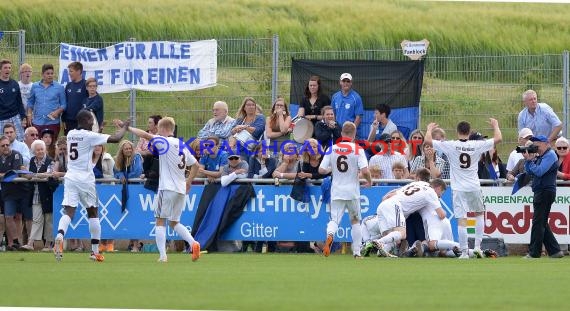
[(247, 119), (311, 159)]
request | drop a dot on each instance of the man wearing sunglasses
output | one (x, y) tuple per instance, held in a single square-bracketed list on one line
[(30, 134)]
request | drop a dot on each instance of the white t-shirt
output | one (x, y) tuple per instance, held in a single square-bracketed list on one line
[(345, 164), (463, 157), (80, 145), (416, 196), (25, 90), (172, 166), (514, 158)]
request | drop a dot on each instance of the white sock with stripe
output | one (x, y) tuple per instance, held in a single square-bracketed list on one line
[(64, 222)]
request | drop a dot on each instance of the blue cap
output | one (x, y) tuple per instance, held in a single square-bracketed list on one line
[(540, 138)]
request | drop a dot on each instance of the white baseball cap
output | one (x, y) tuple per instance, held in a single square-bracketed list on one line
[(346, 75), (525, 132)]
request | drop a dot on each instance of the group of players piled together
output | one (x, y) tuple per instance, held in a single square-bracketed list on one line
[(385, 232)]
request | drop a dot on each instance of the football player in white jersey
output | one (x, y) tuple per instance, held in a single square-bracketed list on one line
[(173, 185), (79, 180), (345, 162), (463, 155)]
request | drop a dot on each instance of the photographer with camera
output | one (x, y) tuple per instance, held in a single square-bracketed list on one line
[(542, 163)]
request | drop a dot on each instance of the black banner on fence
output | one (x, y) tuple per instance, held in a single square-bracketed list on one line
[(395, 83)]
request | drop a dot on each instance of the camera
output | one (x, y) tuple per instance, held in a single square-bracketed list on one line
[(529, 149)]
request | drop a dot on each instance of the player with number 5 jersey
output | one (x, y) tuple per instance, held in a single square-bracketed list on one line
[(173, 185), (79, 180), (345, 162), (463, 155)]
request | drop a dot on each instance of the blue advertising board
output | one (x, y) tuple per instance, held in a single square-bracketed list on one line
[(269, 216)]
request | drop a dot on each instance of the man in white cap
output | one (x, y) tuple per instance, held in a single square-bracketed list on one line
[(347, 104), (514, 157)]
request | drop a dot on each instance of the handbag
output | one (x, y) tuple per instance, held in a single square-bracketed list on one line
[(246, 139), (300, 190)]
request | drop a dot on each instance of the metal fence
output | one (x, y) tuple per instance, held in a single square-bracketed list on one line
[(456, 88)]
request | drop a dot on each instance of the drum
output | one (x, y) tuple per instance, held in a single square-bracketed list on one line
[(245, 137), (302, 129)]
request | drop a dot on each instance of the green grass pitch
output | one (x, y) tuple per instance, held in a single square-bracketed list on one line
[(282, 282)]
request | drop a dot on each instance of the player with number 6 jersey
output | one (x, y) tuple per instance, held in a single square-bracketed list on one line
[(79, 180), (345, 162), (463, 155)]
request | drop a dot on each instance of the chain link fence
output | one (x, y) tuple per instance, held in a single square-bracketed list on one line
[(468, 87)]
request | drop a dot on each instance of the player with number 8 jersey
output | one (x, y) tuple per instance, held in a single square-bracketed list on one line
[(345, 162), (463, 155)]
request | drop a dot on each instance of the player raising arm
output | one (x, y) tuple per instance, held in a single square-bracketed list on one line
[(79, 182), (173, 185)]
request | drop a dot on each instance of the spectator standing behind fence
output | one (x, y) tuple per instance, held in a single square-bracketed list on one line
[(563, 169), (311, 160), (261, 164), (236, 168), (327, 131), (386, 157), (103, 162), (347, 103), (14, 195), (278, 124), (142, 145), (415, 145), (25, 84), (247, 120), (30, 135), (382, 123), (345, 163), (11, 106), (47, 102), (17, 145), (514, 157), (128, 163), (538, 117), (94, 102), (75, 95), (431, 161), (288, 163), (220, 125), (543, 166), (47, 136), (41, 198), (313, 101), (439, 134), (213, 159), (463, 155)]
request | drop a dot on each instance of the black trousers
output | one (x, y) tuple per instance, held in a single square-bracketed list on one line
[(540, 232), (415, 228)]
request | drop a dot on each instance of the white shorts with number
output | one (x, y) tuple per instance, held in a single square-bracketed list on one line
[(338, 207), (467, 201), (78, 192), (390, 215), (169, 205)]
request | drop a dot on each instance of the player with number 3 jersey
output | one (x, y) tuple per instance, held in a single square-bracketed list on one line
[(463, 155), (173, 185)]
